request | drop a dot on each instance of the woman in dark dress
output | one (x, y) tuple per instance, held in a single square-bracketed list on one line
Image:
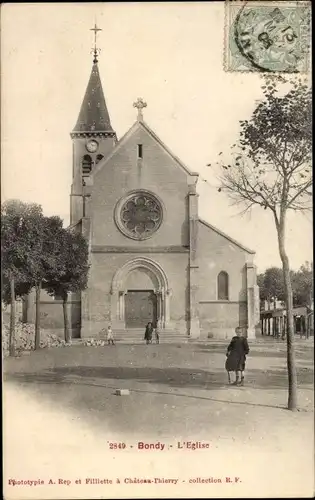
[(236, 357), (148, 333)]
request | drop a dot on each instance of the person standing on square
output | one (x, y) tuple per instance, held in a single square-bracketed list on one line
[(110, 335), (236, 357), (148, 333)]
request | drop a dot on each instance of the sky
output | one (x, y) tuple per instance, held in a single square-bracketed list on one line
[(170, 54)]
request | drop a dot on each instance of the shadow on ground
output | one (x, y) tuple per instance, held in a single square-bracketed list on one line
[(271, 351), (172, 377), (172, 389), (169, 392)]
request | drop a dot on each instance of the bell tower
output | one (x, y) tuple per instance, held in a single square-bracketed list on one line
[(93, 138)]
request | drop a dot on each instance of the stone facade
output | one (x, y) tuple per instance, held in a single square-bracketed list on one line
[(150, 253)]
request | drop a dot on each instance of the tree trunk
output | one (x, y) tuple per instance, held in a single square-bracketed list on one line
[(25, 301), (12, 319), (65, 318), (37, 317), (292, 377)]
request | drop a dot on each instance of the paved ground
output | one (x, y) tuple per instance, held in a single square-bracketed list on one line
[(65, 400)]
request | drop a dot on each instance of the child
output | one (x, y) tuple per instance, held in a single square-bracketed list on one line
[(236, 357), (148, 333), (110, 336)]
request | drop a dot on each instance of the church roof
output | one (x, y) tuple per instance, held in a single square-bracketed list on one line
[(128, 134), (167, 149), (94, 116), (226, 236)]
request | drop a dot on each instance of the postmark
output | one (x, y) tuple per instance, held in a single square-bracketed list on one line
[(267, 36)]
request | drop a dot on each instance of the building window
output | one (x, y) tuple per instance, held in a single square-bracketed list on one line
[(223, 286), (140, 152), (139, 215), (86, 165), (98, 158)]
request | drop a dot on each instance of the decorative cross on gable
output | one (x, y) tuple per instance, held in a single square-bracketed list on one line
[(140, 104)]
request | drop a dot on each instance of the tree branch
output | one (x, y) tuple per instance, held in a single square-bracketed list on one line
[(299, 192)]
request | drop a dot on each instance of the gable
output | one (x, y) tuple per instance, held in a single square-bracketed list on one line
[(167, 150), (135, 131), (158, 173), (226, 237)]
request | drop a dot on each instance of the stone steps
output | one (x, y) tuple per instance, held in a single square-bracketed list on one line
[(136, 336), (172, 337)]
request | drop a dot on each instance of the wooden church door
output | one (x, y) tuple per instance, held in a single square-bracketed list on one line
[(140, 308)]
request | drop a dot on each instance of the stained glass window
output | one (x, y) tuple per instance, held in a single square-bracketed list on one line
[(141, 215)]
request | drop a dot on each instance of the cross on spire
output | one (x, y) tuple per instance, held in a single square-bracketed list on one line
[(140, 104), (95, 51)]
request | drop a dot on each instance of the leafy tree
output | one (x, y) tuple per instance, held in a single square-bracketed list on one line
[(37, 252), (20, 290), (271, 168), (40, 259), (29, 246), (271, 285), (19, 223), (302, 285), (69, 272)]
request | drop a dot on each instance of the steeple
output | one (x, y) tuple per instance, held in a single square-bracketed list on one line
[(93, 138), (94, 117)]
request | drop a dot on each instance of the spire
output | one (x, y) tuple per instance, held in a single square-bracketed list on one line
[(93, 117)]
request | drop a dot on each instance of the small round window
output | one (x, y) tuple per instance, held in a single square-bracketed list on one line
[(139, 215)]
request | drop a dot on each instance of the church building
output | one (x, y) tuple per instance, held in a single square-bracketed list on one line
[(152, 258)]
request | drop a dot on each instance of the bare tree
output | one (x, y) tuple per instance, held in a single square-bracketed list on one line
[(271, 168)]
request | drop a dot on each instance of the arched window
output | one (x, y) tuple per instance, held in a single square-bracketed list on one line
[(86, 165), (223, 286), (99, 158)]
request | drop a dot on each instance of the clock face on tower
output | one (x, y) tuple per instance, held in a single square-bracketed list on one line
[(92, 146)]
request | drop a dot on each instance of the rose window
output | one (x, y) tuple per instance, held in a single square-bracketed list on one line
[(140, 216)]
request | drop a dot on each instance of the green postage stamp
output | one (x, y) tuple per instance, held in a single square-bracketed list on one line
[(267, 36)]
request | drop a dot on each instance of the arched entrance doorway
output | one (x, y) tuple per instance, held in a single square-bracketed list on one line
[(140, 293)]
